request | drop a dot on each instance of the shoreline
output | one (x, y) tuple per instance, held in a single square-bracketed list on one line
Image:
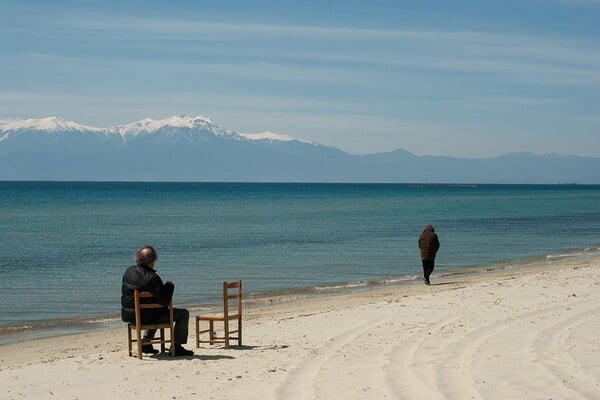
[(35, 330), (465, 336)]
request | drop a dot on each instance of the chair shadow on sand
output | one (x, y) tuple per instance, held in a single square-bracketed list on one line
[(209, 357), (244, 347), (204, 357)]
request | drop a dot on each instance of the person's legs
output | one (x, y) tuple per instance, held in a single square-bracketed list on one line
[(430, 270), (148, 348), (129, 316), (427, 269), (181, 317), (149, 334)]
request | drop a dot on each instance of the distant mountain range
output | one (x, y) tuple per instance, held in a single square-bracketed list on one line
[(182, 148)]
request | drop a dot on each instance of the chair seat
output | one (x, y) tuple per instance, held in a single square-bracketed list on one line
[(217, 317), (152, 326)]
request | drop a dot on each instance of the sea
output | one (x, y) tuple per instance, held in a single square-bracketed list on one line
[(65, 245)]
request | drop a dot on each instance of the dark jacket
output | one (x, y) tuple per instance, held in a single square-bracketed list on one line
[(143, 278), (428, 243)]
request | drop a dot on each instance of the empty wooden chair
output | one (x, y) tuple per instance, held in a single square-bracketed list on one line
[(232, 310), (145, 300)]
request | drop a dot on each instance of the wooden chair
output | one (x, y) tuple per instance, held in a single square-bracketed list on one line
[(148, 302), (231, 291)]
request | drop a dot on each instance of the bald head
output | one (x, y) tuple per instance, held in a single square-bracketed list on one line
[(146, 256)]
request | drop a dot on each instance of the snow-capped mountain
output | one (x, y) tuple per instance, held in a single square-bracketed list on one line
[(182, 148), (149, 125), (50, 124), (173, 148), (175, 126), (271, 136)]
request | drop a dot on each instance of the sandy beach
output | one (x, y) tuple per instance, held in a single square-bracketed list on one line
[(517, 333)]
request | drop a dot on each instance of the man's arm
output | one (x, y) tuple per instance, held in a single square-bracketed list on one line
[(162, 292)]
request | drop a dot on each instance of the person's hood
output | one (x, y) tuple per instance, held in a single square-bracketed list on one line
[(429, 228)]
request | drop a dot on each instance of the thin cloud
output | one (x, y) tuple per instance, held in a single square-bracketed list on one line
[(514, 57)]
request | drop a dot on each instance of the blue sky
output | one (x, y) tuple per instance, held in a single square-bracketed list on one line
[(459, 78)]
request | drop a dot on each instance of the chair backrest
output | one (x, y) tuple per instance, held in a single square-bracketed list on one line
[(145, 300), (232, 291)]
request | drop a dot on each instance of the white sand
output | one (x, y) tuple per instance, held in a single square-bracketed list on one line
[(517, 334)]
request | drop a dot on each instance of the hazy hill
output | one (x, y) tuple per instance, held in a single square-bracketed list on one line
[(196, 149)]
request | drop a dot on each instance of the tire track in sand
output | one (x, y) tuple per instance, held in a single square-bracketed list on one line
[(470, 366), (341, 355), (572, 365)]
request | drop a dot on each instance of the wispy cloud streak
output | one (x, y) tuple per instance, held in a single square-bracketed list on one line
[(538, 60)]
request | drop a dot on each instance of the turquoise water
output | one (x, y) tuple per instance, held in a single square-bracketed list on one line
[(64, 246)]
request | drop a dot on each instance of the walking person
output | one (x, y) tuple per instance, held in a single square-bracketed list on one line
[(428, 247)]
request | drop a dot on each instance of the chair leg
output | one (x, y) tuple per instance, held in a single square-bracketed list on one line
[(162, 340), (211, 331), (240, 331), (197, 332), (226, 328), (172, 339), (138, 334), (129, 338)]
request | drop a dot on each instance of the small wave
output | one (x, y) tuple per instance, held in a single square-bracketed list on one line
[(397, 279), (101, 320), (553, 256), (592, 249), (574, 253), (347, 285), (12, 329), (365, 283)]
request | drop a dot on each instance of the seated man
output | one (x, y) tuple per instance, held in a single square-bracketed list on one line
[(143, 277)]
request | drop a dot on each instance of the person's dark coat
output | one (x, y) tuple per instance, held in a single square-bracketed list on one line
[(143, 278), (428, 243)]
